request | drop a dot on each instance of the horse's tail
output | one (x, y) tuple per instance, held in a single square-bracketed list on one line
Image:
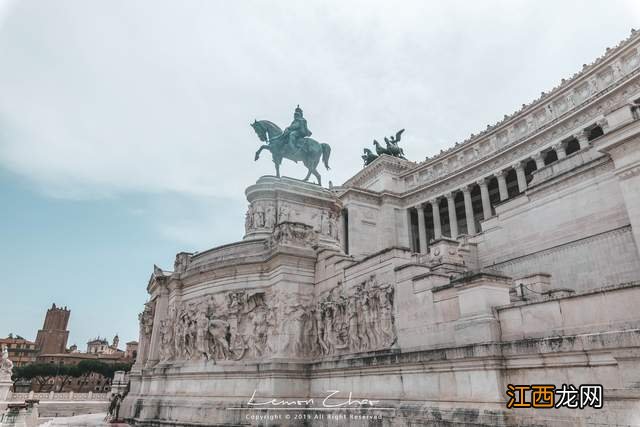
[(326, 152)]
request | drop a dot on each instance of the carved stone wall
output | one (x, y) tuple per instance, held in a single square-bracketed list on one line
[(273, 201), (360, 319), (145, 319), (250, 324)]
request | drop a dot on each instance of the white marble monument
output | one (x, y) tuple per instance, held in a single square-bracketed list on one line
[(422, 290)]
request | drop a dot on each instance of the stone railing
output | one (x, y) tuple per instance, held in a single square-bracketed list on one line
[(228, 252), (67, 396)]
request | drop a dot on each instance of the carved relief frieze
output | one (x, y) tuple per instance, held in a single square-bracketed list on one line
[(252, 324), (293, 234), (355, 321), (145, 320), (221, 327), (261, 214)]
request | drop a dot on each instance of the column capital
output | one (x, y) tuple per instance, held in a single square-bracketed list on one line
[(537, 156), (583, 135), (499, 173), (482, 182), (450, 195), (603, 123), (559, 145), (466, 189), (517, 165), (419, 207)]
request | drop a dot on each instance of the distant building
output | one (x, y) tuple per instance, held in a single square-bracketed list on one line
[(101, 346), (131, 351), (94, 382), (21, 351), (53, 336), (98, 346), (51, 348)]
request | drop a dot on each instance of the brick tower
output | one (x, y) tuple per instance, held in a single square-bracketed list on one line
[(52, 338)]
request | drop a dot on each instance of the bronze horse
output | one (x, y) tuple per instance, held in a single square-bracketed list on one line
[(309, 153)]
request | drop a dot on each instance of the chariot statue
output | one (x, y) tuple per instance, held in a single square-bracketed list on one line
[(294, 143), (393, 149)]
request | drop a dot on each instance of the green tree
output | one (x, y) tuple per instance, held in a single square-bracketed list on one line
[(42, 373)]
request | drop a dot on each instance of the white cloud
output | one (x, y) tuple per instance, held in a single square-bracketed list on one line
[(103, 98)]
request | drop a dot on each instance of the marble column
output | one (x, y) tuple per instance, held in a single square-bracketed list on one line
[(422, 229), (409, 231), (468, 210), (539, 160), (604, 125), (437, 227), (560, 150), (486, 202), (522, 179), (502, 185), (453, 220), (583, 139)]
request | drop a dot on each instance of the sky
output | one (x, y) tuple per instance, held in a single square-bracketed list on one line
[(124, 126)]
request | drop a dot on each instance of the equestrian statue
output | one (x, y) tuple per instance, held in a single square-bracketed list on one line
[(294, 143)]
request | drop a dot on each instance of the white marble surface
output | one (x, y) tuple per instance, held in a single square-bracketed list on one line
[(89, 420)]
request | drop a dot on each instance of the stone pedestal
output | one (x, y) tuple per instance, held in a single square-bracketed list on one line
[(21, 415), (119, 383), (5, 389), (446, 257), (533, 286), (273, 201), (477, 295)]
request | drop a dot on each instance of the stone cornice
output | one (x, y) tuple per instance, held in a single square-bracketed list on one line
[(623, 145), (263, 264), (587, 114), (606, 72), (296, 189), (580, 294), (369, 196), (619, 136), (385, 162), (628, 172), (157, 278)]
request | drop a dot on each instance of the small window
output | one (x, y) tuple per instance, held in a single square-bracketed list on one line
[(550, 157), (595, 132)]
